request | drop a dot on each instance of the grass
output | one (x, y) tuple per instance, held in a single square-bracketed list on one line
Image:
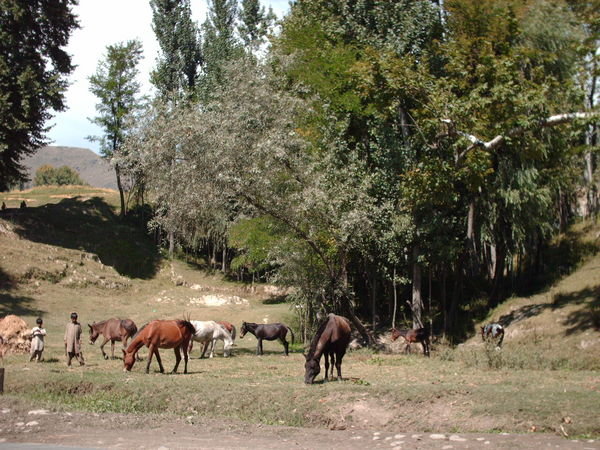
[(542, 374)]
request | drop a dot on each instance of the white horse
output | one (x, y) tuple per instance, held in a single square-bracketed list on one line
[(209, 332)]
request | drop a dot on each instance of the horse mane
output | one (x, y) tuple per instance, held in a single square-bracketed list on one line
[(315, 340), (187, 324)]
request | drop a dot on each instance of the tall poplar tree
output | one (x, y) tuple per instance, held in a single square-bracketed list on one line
[(117, 89), (254, 25), (33, 76)]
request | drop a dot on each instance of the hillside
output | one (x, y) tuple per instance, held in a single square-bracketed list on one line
[(76, 255), (91, 168), (559, 326)]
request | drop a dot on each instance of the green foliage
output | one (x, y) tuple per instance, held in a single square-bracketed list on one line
[(252, 238), (178, 36), (34, 67), (48, 175), (255, 24)]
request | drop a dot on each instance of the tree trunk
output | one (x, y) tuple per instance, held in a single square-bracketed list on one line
[(224, 262), (171, 244), (121, 193), (395, 298), (373, 299), (417, 300)]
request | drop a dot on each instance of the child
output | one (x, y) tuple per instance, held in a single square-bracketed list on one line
[(37, 341), (73, 341)]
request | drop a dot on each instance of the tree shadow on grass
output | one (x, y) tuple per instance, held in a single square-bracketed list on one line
[(91, 225), (585, 318), (18, 305)]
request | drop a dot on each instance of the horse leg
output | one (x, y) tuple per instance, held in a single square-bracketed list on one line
[(185, 357), (104, 355), (259, 349), (285, 346), (332, 356), (177, 358), (150, 353), (213, 344), (338, 366), (326, 366), (112, 349), (204, 348), (426, 350), (160, 365)]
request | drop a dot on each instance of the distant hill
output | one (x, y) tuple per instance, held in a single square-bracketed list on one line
[(91, 168)]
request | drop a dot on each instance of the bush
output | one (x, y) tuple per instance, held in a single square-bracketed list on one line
[(48, 175)]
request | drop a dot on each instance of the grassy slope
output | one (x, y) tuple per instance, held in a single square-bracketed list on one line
[(46, 268)]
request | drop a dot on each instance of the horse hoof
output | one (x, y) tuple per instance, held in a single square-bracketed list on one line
[(105, 357)]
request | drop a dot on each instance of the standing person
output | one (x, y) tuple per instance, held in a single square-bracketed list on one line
[(37, 341), (73, 341)]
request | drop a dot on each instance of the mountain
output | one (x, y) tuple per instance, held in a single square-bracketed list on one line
[(91, 167)]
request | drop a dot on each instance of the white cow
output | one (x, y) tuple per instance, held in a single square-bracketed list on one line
[(209, 332)]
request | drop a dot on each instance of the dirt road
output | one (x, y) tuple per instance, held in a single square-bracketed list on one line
[(20, 424)]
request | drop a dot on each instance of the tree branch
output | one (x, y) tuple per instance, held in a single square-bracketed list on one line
[(497, 141)]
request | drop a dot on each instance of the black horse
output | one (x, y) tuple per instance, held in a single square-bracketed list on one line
[(331, 339), (268, 331)]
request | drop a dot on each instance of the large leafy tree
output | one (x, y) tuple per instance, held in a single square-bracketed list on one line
[(33, 76), (118, 90), (255, 23)]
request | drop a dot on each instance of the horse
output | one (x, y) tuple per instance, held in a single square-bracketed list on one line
[(331, 339), (420, 335), (494, 332), (112, 330), (231, 329), (268, 331), (208, 332), (175, 334)]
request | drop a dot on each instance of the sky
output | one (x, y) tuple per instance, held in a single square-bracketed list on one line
[(105, 23)]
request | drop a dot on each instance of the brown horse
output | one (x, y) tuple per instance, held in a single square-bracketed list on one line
[(112, 330), (420, 335), (268, 331), (331, 339), (175, 334), (230, 328)]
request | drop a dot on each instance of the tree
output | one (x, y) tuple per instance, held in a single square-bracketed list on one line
[(177, 66), (254, 24), (117, 89), (220, 45), (48, 175), (33, 77)]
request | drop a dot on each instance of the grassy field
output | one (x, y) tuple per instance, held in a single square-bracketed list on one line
[(546, 376)]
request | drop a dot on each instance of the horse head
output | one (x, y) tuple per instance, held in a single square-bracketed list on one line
[(94, 333), (128, 360), (243, 330), (312, 369)]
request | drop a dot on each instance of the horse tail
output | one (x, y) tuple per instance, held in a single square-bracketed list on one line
[(292, 333), (233, 331), (139, 330), (130, 326)]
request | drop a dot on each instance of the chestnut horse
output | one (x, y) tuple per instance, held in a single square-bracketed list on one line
[(232, 331), (175, 334), (493, 332), (112, 330), (331, 339), (420, 335), (268, 331)]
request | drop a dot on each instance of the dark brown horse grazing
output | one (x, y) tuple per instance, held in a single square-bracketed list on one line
[(112, 330), (268, 331), (420, 335), (175, 334), (331, 339)]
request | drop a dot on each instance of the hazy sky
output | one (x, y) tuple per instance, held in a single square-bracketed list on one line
[(104, 23)]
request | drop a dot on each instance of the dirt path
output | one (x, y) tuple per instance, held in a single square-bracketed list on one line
[(19, 424)]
